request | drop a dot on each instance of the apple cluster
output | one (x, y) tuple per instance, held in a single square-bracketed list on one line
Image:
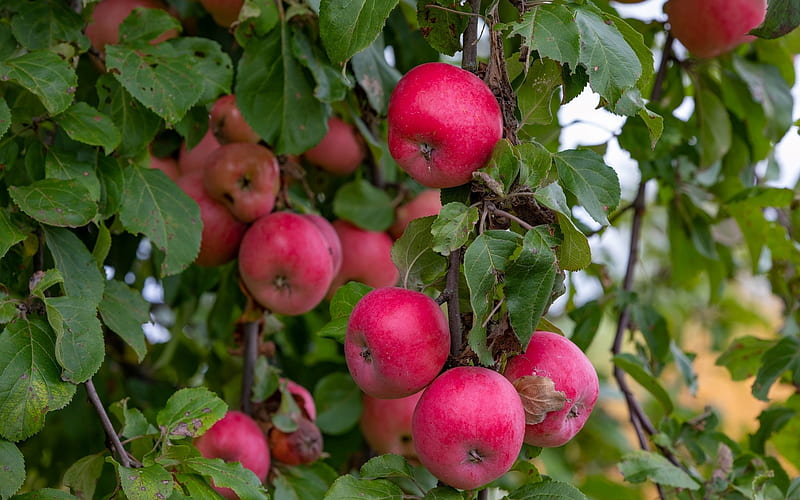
[(465, 424), (256, 442)]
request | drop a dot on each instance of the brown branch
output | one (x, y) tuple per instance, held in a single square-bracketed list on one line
[(469, 54), (496, 211), (118, 448), (251, 334), (451, 296)]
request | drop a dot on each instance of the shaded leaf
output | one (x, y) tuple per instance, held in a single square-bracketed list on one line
[(783, 16), (715, 127), (44, 74), (365, 205), (5, 117), (743, 357), (82, 277), (574, 252), (338, 401), (211, 62), (639, 466), (546, 490), (12, 472), (80, 349), (300, 483), (63, 203), (442, 22), (633, 367), (596, 185), (124, 311), (453, 226), (44, 24), (10, 233), (418, 264), (375, 76), (82, 476), (137, 124), (85, 124), (332, 84), (347, 27), (780, 358)]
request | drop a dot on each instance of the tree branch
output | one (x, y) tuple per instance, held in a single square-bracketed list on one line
[(451, 296), (469, 55), (118, 448), (250, 356)]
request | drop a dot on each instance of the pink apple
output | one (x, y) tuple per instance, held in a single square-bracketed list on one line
[(709, 28), (428, 202), (366, 257), (236, 438), (386, 425), (224, 12), (103, 28), (341, 151), (570, 398), (396, 342), (285, 264), (245, 177), (195, 158), (222, 232), (468, 426), (443, 124), (167, 164), (228, 124), (334, 244), (302, 397)]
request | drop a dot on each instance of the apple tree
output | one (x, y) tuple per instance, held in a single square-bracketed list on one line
[(198, 196)]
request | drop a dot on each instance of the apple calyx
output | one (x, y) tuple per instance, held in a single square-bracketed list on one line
[(539, 397), (474, 457)]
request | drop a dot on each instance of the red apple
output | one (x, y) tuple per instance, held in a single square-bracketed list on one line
[(236, 438), (302, 397), (428, 202), (396, 342), (228, 124), (334, 244), (443, 124), (558, 385), (168, 165), (195, 158), (301, 446), (366, 257), (468, 426), (285, 264), (341, 151), (103, 27), (222, 232), (386, 425), (245, 177), (224, 12), (709, 28)]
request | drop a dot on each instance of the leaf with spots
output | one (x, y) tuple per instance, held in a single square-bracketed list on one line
[(85, 124), (229, 475), (44, 74), (12, 469), (191, 412), (155, 206), (80, 349), (30, 378), (153, 482), (442, 22), (211, 62), (47, 23), (56, 202)]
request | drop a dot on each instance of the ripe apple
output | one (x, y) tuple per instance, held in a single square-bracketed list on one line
[(386, 425), (428, 202), (285, 264), (228, 124), (224, 12), (396, 342), (236, 438), (222, 232), (334, 244), (709, 28), (366, 257), (301, 446), (195, 158), (103, 27), (468, 426), (558, 385), (341, 151), (443, 124), (245, 177), (167, 164)]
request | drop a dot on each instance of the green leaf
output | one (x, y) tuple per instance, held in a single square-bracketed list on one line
[(587, 320), (743, 357), (503, 168), (42, 280), (197, 488), (85, 124), (715, 127), (771, 91), (332, 84), (80, 349), (276, 96), (484, 260), (654, 123), (536, 92), (82, 476), (770, 421), (785, 439), (364, 205), (5, 117), (640, 466), (191, 412), (134, 423), (63, 203), (442, 22), (348, 487), (783, 16), (375, 76), (137, 124), (30, 378), (69, 165), (418, 264), (44, 74), (141, 26), (300, 483), (124, 311), (12, 473), (546, 490), (453, 226), (574, 252), (229, 475), (529, 280), (536, 162), (46, 494), (161, 77), (633, 367), (342, 304), (782, 357), (45, 24), (653, 327), (10, 233), (550, 29), (145, 483), (349, 26), (82, 277), (338, 401), (387, 466), (210, 61), (596, 185), (443, 493), (156, 207)]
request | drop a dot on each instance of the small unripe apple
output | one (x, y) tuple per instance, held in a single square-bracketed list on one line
[(341, 151), (428, 202), (301, 446), (386, 425), (468, 426), (558, 385), (366, 257), (245, 177), (443, 124), (224, 12), (285, 264), (103, 28), (228, 124), (196, 158), (709, 28), (334, 243), (222, 232), (396, 342), (236, 438)]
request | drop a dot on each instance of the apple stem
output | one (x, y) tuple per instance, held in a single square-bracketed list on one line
[(251, 332)]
